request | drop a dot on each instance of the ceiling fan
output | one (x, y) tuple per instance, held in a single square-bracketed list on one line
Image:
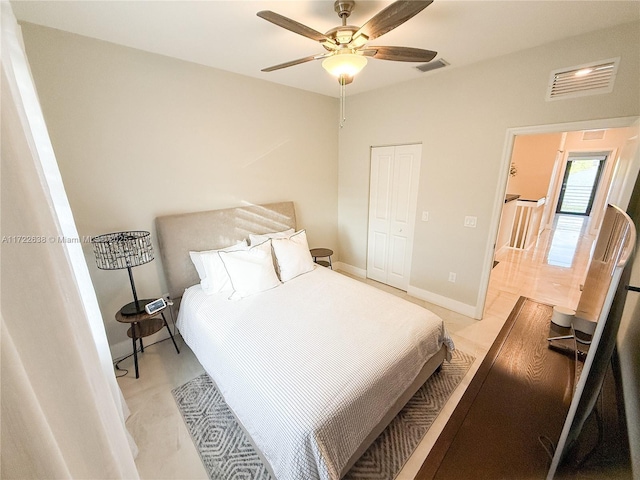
[(346, 45)]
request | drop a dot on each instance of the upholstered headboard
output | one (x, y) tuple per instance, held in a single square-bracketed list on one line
[(179, 234)]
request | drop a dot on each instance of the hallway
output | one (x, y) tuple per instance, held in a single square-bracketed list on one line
[(551, 271)]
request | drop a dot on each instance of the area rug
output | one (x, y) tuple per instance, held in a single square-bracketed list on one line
[(227, 454)]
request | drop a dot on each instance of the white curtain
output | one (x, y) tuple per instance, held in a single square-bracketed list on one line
[(62, 410)]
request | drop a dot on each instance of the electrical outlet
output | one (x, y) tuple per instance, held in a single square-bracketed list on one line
[(470, 222), (167, 298), (425, 216), (452, 277)]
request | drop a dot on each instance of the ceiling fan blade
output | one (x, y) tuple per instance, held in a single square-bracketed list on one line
[(400, 54), (296, 62), (294, 26), (389, 18)]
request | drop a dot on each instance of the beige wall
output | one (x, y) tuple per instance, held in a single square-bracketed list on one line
[(461, 116), (139, 135), (534, 157)]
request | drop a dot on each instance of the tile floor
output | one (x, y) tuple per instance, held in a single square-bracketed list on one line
[(550, 272)]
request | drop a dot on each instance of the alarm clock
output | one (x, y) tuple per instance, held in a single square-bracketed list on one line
[(155, 306)]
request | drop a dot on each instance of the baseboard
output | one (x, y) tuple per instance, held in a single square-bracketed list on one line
[(345, 267), (449, 304), (125, 348)]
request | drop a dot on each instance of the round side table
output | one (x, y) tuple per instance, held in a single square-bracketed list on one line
[(142, 325), (322, 253)]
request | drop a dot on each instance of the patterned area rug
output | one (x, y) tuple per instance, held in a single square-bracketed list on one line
[(227, 454)]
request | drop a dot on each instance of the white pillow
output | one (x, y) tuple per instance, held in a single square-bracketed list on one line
[(257, 239), (250, 271), (292, 255), (217, 279)]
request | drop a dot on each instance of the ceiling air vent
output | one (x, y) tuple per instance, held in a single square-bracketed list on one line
[(433, 65), (588, 79)]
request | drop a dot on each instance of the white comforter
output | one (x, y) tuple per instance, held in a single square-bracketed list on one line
[(310, 367)]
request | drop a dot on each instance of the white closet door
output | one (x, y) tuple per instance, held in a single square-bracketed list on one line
[(395, 173)]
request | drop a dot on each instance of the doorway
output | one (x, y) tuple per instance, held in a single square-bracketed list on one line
[(620, 138), (393, 194), (580, 183)]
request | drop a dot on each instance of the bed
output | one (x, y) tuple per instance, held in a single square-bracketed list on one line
[(313, 369)]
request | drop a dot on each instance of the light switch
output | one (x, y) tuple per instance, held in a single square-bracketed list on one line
[(470, 222), (425, 216)]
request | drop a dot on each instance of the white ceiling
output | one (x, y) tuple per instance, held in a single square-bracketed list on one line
[(228, 35)]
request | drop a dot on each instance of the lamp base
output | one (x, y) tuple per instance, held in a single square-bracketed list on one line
[(131, 309)]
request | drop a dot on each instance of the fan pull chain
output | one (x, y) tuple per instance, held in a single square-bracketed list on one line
[(343, 114)]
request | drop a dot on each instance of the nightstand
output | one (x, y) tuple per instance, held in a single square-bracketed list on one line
[(322, 253), (142, 325)]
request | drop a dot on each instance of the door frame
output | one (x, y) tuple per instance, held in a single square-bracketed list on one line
[(608, 177), (498, 203)]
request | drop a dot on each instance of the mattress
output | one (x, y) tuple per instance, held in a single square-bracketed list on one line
[(309, 368)]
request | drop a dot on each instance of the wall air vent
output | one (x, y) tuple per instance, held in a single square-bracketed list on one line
[(433, 65), (593, 134), (588, 79)]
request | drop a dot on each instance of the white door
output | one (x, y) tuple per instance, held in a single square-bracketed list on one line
[(393, 194)]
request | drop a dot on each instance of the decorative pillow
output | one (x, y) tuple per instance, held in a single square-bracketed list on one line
[(256, 239), (216, 279), (292, 255), (250, 271)]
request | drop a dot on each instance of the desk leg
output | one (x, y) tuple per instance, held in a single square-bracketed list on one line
[(135, 348), (169, 330), (330, 264)]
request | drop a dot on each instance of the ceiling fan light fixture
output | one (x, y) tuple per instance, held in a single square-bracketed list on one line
[(344, 64)]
